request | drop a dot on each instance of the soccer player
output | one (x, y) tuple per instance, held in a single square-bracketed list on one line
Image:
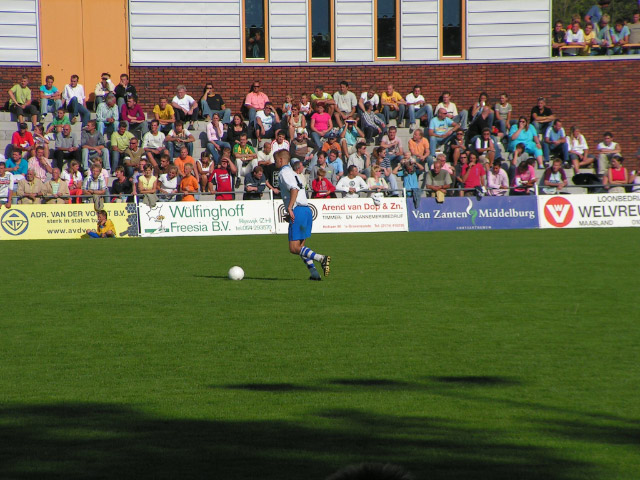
[(299, 213)]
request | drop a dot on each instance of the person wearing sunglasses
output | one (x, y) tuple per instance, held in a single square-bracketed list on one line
[(255, 101)]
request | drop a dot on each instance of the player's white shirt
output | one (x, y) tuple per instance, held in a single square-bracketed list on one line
[(6, 184), (290, 180), (346, 183)]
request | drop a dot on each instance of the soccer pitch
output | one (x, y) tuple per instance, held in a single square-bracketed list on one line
[(458, 355)]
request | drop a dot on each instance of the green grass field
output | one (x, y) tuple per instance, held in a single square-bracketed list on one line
[(458, 355)]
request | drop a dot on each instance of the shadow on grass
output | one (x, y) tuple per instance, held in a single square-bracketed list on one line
[(268, 279), (473, 380), (109, 441), (269, 387)]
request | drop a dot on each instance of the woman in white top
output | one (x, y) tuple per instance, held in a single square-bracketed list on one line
[(376, 182), (205, 167), (578, 150), (74, 178)]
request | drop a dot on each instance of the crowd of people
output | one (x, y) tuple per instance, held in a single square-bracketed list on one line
[(341, 144)]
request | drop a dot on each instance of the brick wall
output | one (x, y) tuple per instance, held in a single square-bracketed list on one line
[(10, 75), (595, 95)]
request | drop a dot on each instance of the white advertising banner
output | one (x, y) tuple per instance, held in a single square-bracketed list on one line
[(173, 219), (341, 215), (589, 211)]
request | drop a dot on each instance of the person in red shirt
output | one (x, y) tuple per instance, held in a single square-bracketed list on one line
[(22, 141), (321, 186), (473, 175), (221, 179)]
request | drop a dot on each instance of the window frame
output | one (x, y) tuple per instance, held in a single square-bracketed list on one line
[(243, 42), (375, 33), (463, 26), (332, 23)]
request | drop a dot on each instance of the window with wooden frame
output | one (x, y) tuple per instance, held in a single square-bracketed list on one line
[(256, 32), (452, 29), (321, 31), (387, 29)]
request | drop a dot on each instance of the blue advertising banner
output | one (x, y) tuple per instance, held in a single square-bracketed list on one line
[(470, 213)]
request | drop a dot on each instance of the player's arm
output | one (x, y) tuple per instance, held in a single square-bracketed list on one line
[(292, 202)]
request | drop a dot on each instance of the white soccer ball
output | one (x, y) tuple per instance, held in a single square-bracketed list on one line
[(236, 273)]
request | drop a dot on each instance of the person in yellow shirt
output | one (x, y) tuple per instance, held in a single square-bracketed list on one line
[(589, 39), (393, 105), (105, 227), (164, 113)]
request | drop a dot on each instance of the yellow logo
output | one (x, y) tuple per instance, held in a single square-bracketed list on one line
[(14, 222)]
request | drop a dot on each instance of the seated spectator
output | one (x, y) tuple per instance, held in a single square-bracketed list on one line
[(437, 179), (350, 135), (305, 107), (616, 175), (446, 166), (372, 124), (50, 98), (153, 143), (296, 121), (40, 165), (320, 97), (103, 171), (418, 108), (6, 185), (221, 180), (526, 134), (280, 143), (419, 147), (104, 87), (255, 101), (441, 130), (179, 137), (473, 175), (557, 38), (387, 171), (486, 148), (271, 172), (168, 185), (105, 228), (22, 141), (606, 150), (502, 115), (107, 115), (555, 142), (287, 109), (634, 33), (376, 182), (17, 166), (574, 37), (56, 190), (124, 90), (393, 105), (554, 179), (409, 170), (204, 167), (497, 180), (302, 148), (330, 173), (132, 113), (361, 160), (119, 143), (351, 184), (578, 150), (20, 101), (541, 116), (369, 95), (267, 123), (67, 147), (236, 129), (254, 184), (147, 187), (165, 164), (183, 160), (59, 119), (41, 140), (452, 111), (30, 189), (212, 103), (620, 37), (133, 155), (74, 180), (265, 156), (93, 146), (137, 173), (322, 187), (525, 178), (121, 188), (76, 101), (245, 156), (188, 184), (185, 107), (395, 153), (457, 145), (478, 108), (321, 124), (335, 163), (604, 38), (346, 103), (590, 39), (164, 113), (484, 120), (94, 183)]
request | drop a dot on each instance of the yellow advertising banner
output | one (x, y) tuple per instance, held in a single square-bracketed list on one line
[(33, 222)]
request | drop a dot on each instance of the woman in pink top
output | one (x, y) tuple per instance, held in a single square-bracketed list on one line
[(525, 179), (616, 175), (215, 132), (320, 124), (474, 175), (255, 101)]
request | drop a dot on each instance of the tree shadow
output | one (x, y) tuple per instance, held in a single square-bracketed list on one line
[(110, 441), (269, 387), (476, 380)]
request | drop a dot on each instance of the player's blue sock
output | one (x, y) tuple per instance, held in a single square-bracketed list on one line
[(309, 263), (306, 252)]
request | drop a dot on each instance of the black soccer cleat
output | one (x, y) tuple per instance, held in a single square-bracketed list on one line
[(315, 275), (325, 265)]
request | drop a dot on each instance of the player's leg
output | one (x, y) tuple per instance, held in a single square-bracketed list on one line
[(314, 275)]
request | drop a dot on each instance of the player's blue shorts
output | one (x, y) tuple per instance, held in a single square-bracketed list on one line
[(300, 228)]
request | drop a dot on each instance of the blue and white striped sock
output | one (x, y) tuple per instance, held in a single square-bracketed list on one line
[(306, 252), (309, 263)]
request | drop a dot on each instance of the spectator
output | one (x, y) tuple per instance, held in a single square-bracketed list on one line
[(441, 129), (133, 156), (17, 165), (446, 166), (346, 103), (296, 121), (305, 107), (478, 108), (351, 184), (616, 176), (138, 172), (67, 147), (418, 108), (6, 185), (50, 98), (188, 184), (369, 95), (393, 105), (20, 101), (503, 112), (22, 141), (372, 123), (350, 136), (497, 180), (606, 150), (93, 146), (574, 37), (185, 107), (76, 101), (554, 179), (40, 165), (255, 102), (267, 123), (164, 113), (590, 40), (153, 143), (236, 129), (271, 172), (121, 188), (265, 156), (555, 141), (335, 163), (287, 108), (634, 33), (147, 187), (557, 38), (119, 144), (474, 175), (123, 90), (321, 185), (419, 147), (320, 97), (456, 147), (594, 14), (485, 147), (604, 38), (361, 160), (452, 111), (437, 179), (331, 143), (279, 143), (321, 124), (59, 119), (132, 113), (74, 180), (245, 156), (541, 116), (40, 139), (527, 135), (56, 190), (620, 37), (221, 180), (303, 149), (410, 179), (387, 170), (107, 115), (376, 182), (165, 163), (578, 150), (94, 183), (105, 228), (330, 173), (29, 189), (254, 184), (215, 133), (104, 87), (179, 137), (168, 185), (392, 143), (525, 178), (481, 122), (212, 103), (255, 44), (204, 167), (183, 160)]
